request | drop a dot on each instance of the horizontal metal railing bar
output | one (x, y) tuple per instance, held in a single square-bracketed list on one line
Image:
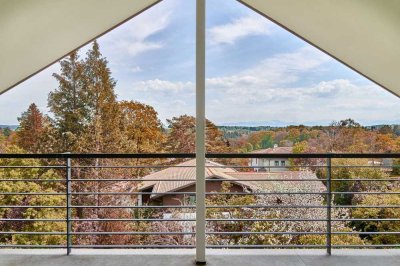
[(133, 246), (32, 180), (228, 166), (193, 246), (302, 233), (207, 220), (33, 193), (166, 193), (192, 155), (298, 246), (97, 246), (32, 166), (193, 233), (189, 180), (194, 193), (97, 233), (263, 246), (193, 206), (367, 246), (94, 207), (98, 155), (32, 246), (207, 179), (176, 193), (266, 233), (366, 179)]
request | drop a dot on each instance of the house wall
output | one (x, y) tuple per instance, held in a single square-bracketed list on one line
[(268, 165), (211, 186)]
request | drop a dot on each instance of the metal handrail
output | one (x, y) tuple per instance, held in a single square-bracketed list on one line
[(69, 194)]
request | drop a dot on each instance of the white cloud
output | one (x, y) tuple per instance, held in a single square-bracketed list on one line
[(136, 36), (277, 71), (157, 85), (272, 90), (239, 28), (136, 69)]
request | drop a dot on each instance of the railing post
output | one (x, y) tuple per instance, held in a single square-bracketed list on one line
[(328, 206), (200, 133), (68, 195)]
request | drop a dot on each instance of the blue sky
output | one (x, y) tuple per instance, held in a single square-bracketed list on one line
[(256, 71)]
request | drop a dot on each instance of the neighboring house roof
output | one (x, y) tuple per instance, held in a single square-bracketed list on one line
[(277, 150), (184, 174)]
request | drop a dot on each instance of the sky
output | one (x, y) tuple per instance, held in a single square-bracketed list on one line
[(256, 72)]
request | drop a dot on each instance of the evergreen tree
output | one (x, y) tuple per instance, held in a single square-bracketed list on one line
[(102, 134), (30, 129), (68, 103)]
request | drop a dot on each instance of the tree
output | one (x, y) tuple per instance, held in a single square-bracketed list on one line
[(102, 133), (6, 131), (142, 130), (348, 169), (32, 187), (379, 225), (30, 129), (267, 141), (181, 137), (68, 103)]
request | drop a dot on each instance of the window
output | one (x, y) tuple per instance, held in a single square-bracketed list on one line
[(276, 163), (192, 199), (283, 163)]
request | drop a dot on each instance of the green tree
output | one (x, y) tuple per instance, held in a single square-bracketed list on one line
[(267, 142), (19, 186), (380, 214), (68, 102)]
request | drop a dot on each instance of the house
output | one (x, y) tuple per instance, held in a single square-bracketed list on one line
[(278, 164), (168, 187)]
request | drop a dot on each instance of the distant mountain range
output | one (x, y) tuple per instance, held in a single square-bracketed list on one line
[(278, 123), (13, 127)]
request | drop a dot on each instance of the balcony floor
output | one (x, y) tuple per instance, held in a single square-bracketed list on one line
[(178, 257)]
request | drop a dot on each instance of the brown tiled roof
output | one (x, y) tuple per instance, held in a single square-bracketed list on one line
[(182, 172), (257, 181), (277, 150), (185, 175)]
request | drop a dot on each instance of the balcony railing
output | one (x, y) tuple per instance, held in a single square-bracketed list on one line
[(86, 195)]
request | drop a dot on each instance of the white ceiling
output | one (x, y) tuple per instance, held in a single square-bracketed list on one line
[(36, 33), (363, 34)]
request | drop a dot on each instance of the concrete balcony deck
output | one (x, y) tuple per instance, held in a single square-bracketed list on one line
[(181, 257)]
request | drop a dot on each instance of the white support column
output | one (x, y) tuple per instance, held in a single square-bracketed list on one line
[(200, 133)]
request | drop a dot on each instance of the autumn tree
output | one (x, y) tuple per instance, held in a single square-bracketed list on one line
[(102, 132), (30, 129), (141, 128), (181, 137)]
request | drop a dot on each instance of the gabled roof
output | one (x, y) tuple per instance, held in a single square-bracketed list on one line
[(184, 174), (277, 150)]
